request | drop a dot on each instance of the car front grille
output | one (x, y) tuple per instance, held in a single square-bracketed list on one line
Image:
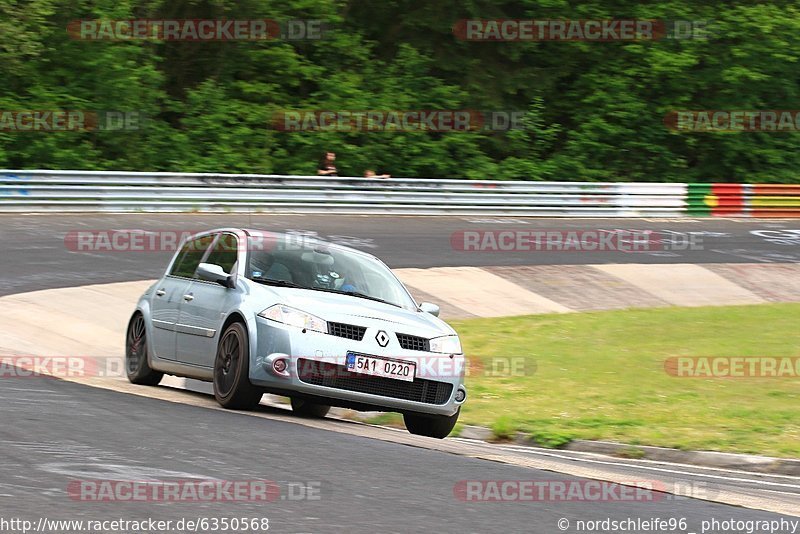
[(337, 376), (409, 342), (348, 331)]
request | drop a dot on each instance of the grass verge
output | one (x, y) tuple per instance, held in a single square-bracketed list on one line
[(601, 376)]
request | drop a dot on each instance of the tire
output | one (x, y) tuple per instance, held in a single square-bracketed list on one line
[(433, 426), (304, 408), (137, 363), (232, 387)]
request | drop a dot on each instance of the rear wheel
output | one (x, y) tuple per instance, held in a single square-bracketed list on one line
[(305, 408), (433, 426), (232, 387), (137, 366)]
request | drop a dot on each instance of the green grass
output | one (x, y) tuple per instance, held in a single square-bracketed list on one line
[(387, 419), (601, 376), (504, 428)]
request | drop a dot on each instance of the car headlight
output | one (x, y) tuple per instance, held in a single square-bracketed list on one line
[(294, 317), (446, 345)]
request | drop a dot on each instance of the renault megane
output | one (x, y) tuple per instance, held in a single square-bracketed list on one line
[(258, 312)]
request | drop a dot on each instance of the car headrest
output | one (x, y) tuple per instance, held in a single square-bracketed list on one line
[(318, 258)]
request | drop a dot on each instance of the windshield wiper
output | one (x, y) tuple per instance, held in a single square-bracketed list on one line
[(284, 283), (273, 282), (355, 294)]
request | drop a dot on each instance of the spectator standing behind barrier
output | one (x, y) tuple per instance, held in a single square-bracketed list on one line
[(327, 165), (369, 173)]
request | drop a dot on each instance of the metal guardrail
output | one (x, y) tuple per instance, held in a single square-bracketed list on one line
[(97, 191), (743, 200)]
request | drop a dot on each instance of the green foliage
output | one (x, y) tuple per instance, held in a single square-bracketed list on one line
[(503, 428), (593, 111), (551, 439)]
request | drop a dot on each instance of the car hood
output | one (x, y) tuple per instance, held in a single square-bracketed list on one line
[(363, 312)]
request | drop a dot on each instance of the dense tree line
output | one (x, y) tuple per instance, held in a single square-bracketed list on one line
[(592, 110)]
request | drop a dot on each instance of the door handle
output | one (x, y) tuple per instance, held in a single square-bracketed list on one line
[(161, 293), (188, 298)]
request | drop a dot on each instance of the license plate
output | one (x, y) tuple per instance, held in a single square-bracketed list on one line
[(373, 366)]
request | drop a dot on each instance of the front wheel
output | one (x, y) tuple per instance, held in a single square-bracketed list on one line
[(433, 426), (232, 387), (304, 408), (137, 366)]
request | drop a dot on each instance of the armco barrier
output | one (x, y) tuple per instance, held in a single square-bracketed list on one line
[(744, 200), (89, 191)]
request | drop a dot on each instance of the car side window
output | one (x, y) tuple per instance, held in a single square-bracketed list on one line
[(225, 252), (191, 255)]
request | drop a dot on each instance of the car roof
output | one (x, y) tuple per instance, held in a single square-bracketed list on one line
[(251, 232)]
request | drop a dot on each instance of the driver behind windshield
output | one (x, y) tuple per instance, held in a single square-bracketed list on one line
[(263, 265)]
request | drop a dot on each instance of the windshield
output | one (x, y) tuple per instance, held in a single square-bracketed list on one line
[(293, 261)]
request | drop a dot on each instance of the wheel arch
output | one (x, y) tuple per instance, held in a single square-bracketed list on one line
[(235, 316), (238, 316), (143, 309), (149, 354)]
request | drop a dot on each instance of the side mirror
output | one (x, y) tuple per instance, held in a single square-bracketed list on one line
[(214, 273), (427, 307)]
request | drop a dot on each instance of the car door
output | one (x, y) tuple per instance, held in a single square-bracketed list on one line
[(203, 310), (169, 296)]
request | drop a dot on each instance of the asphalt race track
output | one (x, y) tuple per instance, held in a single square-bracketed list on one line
[(35, 255), (54, 433)]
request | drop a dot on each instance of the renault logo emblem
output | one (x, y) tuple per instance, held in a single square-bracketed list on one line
[(382, 338)]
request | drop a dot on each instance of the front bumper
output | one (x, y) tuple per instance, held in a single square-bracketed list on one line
[(316, 367)]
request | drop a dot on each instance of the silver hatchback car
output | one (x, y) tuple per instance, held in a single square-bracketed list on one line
[(260, 312)]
